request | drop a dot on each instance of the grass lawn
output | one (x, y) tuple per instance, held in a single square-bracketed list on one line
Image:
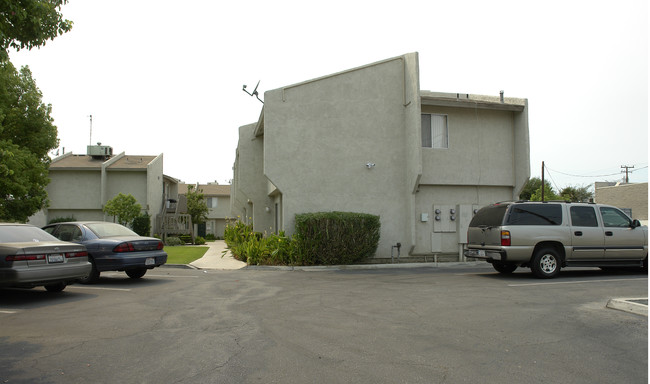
[(184, 255)]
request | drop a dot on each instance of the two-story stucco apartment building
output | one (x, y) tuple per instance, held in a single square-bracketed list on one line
[(81, 185), (369, 140), (217, 198)]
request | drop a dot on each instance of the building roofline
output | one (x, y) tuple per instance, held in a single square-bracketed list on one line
[(465, 100)]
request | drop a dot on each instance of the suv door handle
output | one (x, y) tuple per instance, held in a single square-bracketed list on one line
[(578, 233), (609, 233)]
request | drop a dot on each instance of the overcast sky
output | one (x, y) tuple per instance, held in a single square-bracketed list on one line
[(163, 76)]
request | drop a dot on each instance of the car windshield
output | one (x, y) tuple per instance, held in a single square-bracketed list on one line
[(110, 230), (23, 234)]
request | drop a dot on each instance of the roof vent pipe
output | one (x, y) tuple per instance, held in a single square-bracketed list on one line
[(501, 96)]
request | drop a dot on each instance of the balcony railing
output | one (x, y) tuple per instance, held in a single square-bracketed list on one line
[(180, 224)]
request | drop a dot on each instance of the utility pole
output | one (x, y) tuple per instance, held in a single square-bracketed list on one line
[(542, 181), (627, 170)]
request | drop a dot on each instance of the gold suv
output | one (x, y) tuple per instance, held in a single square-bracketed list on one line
[(549, 236)]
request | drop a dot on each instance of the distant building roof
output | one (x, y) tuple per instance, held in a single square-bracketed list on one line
[(85, 162), (208, 189)]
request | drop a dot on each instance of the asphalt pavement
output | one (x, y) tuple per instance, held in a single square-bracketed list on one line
[(218, 257)]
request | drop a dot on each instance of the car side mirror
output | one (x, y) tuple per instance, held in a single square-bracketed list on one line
[(636, 223)]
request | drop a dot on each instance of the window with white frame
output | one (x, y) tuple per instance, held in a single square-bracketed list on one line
[(435, 133), (212, 202)]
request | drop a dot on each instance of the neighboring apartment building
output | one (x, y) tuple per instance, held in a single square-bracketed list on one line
[(633, 198), (217, 198), (82, 184), (368, 140)]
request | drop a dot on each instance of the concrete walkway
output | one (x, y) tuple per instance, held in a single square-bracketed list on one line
[(213, 258)]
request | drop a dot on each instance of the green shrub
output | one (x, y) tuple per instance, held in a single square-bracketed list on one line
[(329, 238), (185, 238), (62, 219), (236, 235), (210, 237), (321, 238), (142, 225), (199, 240), (173, 241)]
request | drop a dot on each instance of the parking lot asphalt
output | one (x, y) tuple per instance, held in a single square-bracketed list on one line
[(219, 258), (451, 324)]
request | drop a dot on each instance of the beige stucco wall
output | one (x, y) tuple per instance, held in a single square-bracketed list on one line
[(82, 193), (127, 182), (315, 139), (480, 149), (632, 196), (249, 196), (222, 210), (154, 200), (74, 190), (319, 136)]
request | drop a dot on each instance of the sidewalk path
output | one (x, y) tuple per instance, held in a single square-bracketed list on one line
[(213, 258)]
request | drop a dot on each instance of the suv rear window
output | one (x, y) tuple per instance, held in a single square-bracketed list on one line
[(535, 214), (490, 216)]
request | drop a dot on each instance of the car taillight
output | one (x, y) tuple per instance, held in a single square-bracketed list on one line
[(24, 257), (505, 238), (160, 245), (124, 247), (69, 255)]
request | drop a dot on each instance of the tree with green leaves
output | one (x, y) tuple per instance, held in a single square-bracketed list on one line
[(27, 134), (196, 207), (26, 24), (532, 190), (576, 194), (124, 207)]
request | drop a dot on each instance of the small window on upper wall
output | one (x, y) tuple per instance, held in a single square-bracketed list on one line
[(435, 133)]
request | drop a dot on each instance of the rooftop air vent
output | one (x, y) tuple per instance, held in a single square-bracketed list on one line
[(99, 151)]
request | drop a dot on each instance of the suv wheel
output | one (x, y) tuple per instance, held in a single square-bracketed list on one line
[(546, 263), (504, 267)]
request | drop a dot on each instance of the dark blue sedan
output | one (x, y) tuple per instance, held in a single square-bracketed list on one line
[(112, 247)]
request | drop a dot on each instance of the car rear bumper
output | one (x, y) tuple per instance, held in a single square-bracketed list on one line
[(487, 255), (41, 276), (120, 262)]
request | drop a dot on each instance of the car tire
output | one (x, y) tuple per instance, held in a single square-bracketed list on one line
[(546, 263), (58, 287), (136, 273), (93, 277), (505, 268), (644, 268)]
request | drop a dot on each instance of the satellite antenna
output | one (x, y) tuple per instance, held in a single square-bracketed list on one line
[(254, 92), (91, 129)]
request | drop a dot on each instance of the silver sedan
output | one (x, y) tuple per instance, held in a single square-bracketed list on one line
[(30, 257)]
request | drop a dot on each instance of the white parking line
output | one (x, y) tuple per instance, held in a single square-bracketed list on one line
[(175, 276), (573, 282), (98, 288), (5, 311)]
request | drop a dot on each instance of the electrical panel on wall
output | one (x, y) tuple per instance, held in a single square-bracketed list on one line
[(445, 218)]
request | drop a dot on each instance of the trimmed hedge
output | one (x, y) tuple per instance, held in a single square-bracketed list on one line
[(328, 238)]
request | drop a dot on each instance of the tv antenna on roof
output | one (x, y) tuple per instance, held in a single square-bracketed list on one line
[(91, 129), (254, 92)]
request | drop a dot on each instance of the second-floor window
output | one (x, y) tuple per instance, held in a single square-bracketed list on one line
[(212, 202), (435, 133)]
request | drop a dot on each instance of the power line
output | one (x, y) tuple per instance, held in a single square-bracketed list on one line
[(613, 174)]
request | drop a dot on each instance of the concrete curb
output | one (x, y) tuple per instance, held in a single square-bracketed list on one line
[(360, 266), (631, 305), (180, 266)]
